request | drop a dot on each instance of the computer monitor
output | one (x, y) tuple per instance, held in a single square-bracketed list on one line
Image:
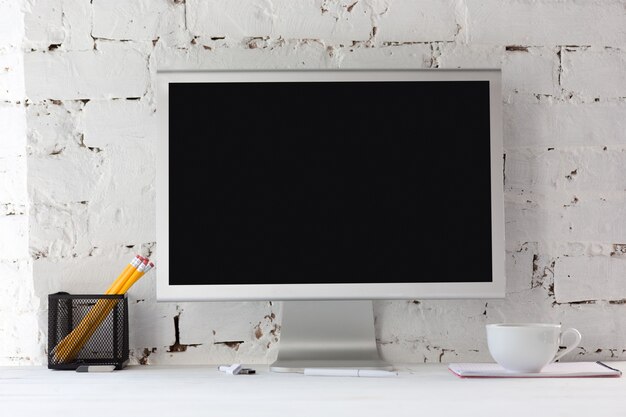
[(326, 190)]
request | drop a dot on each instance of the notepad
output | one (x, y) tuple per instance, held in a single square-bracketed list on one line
[(553, 370)]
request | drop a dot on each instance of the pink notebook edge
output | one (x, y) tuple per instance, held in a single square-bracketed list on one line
[(616, 374)]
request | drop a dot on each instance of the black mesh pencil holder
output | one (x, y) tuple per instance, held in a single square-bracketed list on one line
[(87, 330)]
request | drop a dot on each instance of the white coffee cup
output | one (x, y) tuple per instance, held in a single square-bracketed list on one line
[(527, 347)]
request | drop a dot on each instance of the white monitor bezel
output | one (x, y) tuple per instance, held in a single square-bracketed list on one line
[(494, 289)]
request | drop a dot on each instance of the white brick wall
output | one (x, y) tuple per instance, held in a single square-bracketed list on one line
[(19, 332), (111, 71), (590, 278), (77, 25), (595, 72), (565, 124), (11, 24), (11, 75), (415, 21), (340, 21), (87, 69), (544, 22), (137, 19), (115, 122), (44, 22), (531, 71)]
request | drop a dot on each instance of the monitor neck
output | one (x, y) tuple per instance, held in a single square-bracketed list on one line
[(327, 334)]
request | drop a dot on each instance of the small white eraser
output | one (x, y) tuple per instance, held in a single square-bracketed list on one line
[(230, 369), (95, 368)]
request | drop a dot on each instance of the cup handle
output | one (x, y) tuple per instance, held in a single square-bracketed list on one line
[(568, 349)]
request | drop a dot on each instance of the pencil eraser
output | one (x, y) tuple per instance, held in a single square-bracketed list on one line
[(95, 368)]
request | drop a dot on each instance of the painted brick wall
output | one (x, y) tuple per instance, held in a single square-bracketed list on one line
[(87, 129), (20, 335)]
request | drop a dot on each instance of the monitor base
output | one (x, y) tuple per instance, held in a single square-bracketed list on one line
[(298, 366), (327, 334)]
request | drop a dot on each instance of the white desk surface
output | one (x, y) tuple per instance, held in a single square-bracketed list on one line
[(419, 390)]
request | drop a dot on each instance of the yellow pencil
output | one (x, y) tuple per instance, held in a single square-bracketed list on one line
[(136, 275), (128, 271)]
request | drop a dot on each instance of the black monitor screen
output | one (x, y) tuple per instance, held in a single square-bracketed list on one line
[(329, 182)]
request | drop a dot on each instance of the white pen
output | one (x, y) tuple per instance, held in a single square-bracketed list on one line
[(376, 373)]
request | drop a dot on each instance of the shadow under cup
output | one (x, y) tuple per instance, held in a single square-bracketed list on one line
[(527, 347)]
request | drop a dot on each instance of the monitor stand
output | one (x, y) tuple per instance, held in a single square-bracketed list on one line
[(327, 334)]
